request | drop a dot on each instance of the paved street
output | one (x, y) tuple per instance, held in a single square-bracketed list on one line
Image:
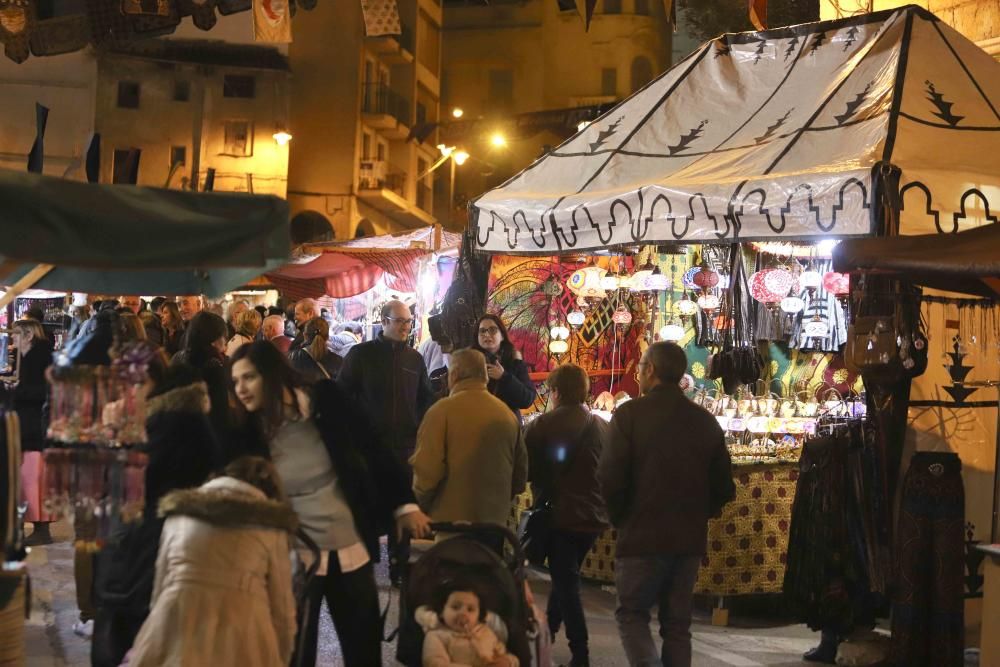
[(51, 642)]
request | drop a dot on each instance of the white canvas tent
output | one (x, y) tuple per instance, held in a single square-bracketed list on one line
[(794, 133)]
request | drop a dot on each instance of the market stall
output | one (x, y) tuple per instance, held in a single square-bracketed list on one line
[(65, 235), (354, 278), (780, 144)]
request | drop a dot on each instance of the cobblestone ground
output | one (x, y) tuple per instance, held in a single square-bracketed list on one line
[(51, 642)]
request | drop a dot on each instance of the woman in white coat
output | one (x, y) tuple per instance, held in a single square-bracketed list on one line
[(223, 588)]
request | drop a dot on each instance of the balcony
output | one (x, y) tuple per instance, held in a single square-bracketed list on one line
[(385, 109), (384, 189), (393, 49)]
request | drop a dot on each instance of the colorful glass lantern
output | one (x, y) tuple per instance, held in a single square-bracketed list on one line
[(610, 283), (837, 284), (621, 316), (558, 347), (810, 279), (705, 278), (672, 332), (559, 332), (576, 318), (816, 328), (771, 285), (657, 282), (708, 302), (792, 305), (686, 307), (587, 282)]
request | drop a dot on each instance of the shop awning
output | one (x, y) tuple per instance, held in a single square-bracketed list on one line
[(120, 239), (967, 262), (343, 269), (771, 135)]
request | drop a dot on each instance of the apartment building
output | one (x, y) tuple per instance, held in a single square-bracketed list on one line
[(508, 58), (204, 113), (363, 113)]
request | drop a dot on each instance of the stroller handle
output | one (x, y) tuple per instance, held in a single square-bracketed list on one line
[(477, 528)]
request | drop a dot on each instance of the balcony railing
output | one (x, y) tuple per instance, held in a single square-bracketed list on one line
[(378, 98), (378, 175)]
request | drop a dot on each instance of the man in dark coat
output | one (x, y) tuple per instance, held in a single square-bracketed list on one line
[(665, 472), (388, 379)]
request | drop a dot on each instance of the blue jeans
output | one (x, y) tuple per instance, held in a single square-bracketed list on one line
[(667, 581), (566, 553)]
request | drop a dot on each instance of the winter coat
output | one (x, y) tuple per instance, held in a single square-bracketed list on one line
[(173, 340), (514, 388), (283, 343), (236, 342), (444, 647), (313, 371), (470, 460), (389, 381), (214, 369), (182, 454), (664, 473), (223, 589), (28, 397), (341, 343), (564, 451), (372, 480)]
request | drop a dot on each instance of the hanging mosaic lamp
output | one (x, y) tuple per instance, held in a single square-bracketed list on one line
[(559, 332), (688, 277), (708, 302), (558, 347), (587, 282), (610, 283), (637, 283), (621, 316), (816, 328), (705, 278), (770, 286), (686, 307), (672, 332), (657, 282), (792, 305), (810, 280), (838, 284), (576, 318)]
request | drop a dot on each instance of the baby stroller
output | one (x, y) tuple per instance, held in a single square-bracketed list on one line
[(501, 581)]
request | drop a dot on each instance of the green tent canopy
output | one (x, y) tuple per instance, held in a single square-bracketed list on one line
[(137, 240)]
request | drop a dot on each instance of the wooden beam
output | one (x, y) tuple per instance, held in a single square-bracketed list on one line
[(25, 283)]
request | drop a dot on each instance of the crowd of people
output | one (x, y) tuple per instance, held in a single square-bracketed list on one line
[(259, 425)]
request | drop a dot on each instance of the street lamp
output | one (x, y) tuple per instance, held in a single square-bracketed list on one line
[(457, 112), (459, 157), (281, 136), (497, 140)]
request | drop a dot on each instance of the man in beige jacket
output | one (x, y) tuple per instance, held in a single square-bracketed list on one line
[(470, 460)]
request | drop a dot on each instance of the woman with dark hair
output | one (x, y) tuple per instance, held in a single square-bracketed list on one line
[(173, 327), (27, 396), (507, 371), (205, 350), (131, 329), (345, 486), (314, 360), (183, 452)]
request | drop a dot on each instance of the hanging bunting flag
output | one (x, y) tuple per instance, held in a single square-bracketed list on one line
[(272, 21), (758, 13), (589, 6), (92, 163), (37, 155), (381, 17)]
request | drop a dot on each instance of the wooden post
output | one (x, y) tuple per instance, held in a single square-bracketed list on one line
[(24, 283)]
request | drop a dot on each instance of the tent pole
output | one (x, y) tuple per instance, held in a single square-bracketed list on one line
[(26, 282)]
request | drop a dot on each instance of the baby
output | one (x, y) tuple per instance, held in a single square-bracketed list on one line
[(469, 636)]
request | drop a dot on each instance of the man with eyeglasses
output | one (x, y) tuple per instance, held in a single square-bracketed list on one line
[(389, 380)]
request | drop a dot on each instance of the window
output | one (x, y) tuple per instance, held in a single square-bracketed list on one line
[(125, 168), (128, 95), (501, 88), (612, 6), (366, 146), (642, 7), (642, 72), (609, 82), (237, 85), (237, 138), (382, 151), (421, 113), (567, 5), (182, 91), (178, 155)]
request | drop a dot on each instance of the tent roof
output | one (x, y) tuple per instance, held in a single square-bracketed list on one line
[(138, 240), (347, 268), (966, 262), (764, 135)]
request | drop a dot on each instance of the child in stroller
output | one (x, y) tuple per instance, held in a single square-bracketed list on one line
[(465, 564), (460, 631)]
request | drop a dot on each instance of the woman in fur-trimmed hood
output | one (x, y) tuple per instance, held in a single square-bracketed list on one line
[(223, 588)]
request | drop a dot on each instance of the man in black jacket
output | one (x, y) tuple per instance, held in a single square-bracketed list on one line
[(389, 380), (664, 473)]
